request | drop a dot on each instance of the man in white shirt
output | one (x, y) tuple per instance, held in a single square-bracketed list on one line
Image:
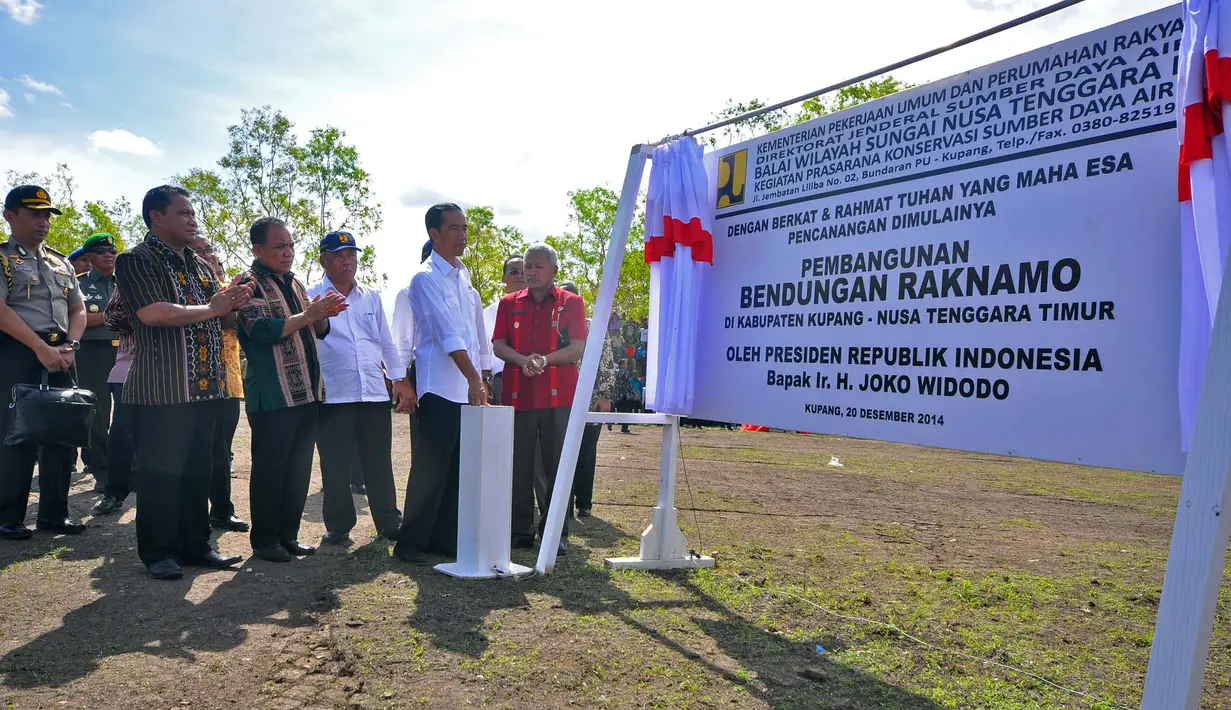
[(404, 340), (513, 282), (355, 357), (452, 359)]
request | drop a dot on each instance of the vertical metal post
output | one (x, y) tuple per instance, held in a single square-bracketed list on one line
[(603, 305)]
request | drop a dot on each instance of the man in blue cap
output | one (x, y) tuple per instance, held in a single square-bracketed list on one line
[(356, 357), (81, 265)]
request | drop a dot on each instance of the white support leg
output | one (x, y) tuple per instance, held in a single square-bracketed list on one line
[(603, 304), (485, 495), (663, 545), (1185, 619)]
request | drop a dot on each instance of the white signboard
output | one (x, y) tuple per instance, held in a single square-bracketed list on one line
[(987, 263)]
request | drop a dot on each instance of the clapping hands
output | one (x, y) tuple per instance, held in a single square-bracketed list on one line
[(327, 306)]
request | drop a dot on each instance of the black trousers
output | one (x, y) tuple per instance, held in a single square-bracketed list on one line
[(173, 465), (19, 364), (120, 451), (94, 362), (283, 441), (587, 460), (220, 505), (357, 432), (541, 429), (430, 520)]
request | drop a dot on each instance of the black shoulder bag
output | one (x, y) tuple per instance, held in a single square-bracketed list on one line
[(50, 416)]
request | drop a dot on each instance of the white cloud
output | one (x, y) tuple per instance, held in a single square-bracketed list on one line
[(6, 111), (121, 141), (40, 86), (23, 11), (67, 105)]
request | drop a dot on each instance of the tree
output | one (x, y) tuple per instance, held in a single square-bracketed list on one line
[(583, 252), (815, 107), (315, 188), (339, 190), (487, 246), (78, 221)]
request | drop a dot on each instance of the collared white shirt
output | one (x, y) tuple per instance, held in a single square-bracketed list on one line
[(359, 350), (403, 329), (489, 321), (448, 317)]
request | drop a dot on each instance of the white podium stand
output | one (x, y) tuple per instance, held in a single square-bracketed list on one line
[(485, 495)]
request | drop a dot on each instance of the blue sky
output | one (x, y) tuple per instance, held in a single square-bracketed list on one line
[(507, 104)]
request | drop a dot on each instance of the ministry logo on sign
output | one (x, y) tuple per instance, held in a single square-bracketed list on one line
[(732, 174)]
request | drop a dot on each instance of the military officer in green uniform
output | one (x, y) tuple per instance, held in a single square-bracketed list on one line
[(99, 346), (42, 317)]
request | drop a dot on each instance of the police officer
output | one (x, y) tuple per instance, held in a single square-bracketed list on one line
[(99, 345), (42, 317)]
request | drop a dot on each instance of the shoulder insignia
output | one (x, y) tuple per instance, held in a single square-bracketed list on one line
[(53, 252)]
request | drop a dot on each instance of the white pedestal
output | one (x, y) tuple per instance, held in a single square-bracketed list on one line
[(485, 495)]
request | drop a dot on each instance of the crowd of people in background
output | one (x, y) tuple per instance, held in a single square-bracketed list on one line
[(174, 349)]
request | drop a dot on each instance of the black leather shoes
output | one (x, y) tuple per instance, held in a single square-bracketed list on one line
[(232, 523), (213, 560), (107, 505), (165, 569), (66, 526), (15, 532), (297, 548), (335, 538), (414, 557), (522, 541), (272, 553), (359, 489)]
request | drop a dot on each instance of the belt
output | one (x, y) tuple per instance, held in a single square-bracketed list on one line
[(101, 341), (53, 337)]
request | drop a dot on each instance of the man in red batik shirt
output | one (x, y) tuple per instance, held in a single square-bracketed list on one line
[(540, 335)]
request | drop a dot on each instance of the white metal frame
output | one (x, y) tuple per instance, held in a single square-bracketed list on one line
[(662, 544), (1185, 619), (1185, 622)]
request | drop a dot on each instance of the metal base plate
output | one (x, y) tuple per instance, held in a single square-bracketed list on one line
[(453, 569), (680, 563)]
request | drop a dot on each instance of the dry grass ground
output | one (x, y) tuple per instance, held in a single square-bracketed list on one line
[(1055, 569)]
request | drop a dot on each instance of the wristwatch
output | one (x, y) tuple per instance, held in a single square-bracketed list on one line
[(74, 344)]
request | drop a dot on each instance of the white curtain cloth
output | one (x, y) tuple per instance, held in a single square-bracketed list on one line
[(679, 249), (1204, 189)]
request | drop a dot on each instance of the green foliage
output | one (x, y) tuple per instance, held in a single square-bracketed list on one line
[(487, 246), (812, 108), (316, 187), (79, 220), (582, 251)]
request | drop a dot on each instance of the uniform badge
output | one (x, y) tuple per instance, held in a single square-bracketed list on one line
[(17, 260), (66, 291), (93, 306), (21, 251), (516, 325)]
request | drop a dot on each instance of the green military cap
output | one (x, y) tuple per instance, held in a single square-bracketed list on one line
[(98, 240)]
